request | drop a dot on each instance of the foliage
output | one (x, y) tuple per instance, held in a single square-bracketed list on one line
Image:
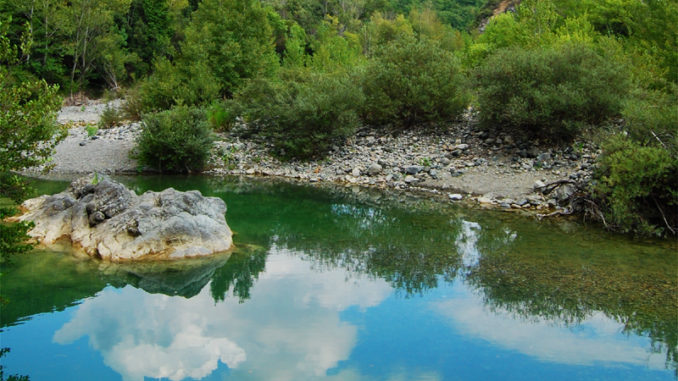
[(149, 31), (90, 33), (175, 84), (91, 130), (637, 177), (220, 116), (410, 82), (12, 236), (650, 118), (27, 135), (110, 117), (333, 49), (233, 39), (14, 377), (549, 93), (27, 114), (638, 186), (176, 140), (304, 115)]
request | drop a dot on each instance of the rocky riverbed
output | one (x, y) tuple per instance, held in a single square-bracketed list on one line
[(463, 163)]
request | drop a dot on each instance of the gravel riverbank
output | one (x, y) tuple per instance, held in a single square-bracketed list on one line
[(463, 162)]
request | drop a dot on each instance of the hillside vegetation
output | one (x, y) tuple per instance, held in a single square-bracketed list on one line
[(304, 75)]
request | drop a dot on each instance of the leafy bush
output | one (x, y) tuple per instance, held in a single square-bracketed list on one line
[(410, 82), (177, 140), (650, 118), (638, 187), (110, 117), (303, 115), (172, 84), (133, 108), (550, 93), (221, 116), (232, 39)]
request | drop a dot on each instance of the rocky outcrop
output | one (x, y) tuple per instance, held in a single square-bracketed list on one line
[(109, 221)]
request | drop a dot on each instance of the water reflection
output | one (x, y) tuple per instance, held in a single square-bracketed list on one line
[(308, 260), (289, 330), (595, 339)]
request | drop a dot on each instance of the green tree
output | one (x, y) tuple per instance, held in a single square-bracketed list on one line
[(149, 29), (45, 58), (27, 114), (234, 39), (28, 135), (84, 23)]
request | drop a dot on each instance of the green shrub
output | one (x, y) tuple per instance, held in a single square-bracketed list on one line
[(172, 84), (91, 130), (650, 118), (550, 93), (410, 82), (110, 117), (637, 186), (220, 116), (177, 140), (133, 108), (303, 115)]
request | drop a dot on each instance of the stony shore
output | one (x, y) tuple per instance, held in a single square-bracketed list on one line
[(463, 163)]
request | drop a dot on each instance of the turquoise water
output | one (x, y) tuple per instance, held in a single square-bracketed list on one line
[(348, 284)]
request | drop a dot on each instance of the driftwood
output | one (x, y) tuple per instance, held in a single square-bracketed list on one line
[(564, 212), (550, 187), (572, 201)]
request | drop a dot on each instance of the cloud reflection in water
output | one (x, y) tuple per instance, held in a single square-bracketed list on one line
[(289, 330)]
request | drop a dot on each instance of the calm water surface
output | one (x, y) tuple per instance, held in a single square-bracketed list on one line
[(336, 284)]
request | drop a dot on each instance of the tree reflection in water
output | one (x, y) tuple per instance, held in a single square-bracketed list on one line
[(529, 269)]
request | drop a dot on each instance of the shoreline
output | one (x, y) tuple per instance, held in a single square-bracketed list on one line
[(462, 162)]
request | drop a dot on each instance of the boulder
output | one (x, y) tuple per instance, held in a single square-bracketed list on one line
[(109, 221)]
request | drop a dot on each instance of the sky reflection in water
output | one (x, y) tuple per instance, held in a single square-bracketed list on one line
[(307, 318)]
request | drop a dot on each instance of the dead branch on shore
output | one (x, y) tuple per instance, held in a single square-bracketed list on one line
[(550, 187), (563, 212)]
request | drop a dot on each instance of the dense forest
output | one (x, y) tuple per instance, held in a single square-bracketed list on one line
[(305, 75)]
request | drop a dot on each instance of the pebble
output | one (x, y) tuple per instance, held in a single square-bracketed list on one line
[(414, 169), (455, 196), (381, 159), (374, 169), (409, 179)]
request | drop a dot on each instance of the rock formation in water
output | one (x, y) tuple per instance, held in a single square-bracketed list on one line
[(109, 221)]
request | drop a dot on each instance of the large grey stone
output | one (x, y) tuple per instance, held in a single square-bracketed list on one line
[(111, 222)]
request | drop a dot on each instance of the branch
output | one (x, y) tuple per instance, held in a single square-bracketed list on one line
[(548, 188), (596, 211), (565, 212), (662, 213), (663, 145)]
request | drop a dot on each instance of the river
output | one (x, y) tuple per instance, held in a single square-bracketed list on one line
[(351, 284)]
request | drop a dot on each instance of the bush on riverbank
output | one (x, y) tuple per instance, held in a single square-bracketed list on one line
[(303, 115), (637, 177), (410, 82), (550, 93), (637, 186), (177, 140)]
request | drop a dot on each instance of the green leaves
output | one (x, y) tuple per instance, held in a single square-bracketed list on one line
[(549, 92), (177, 140), (304, 114), (410, 82), (639, 186)]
